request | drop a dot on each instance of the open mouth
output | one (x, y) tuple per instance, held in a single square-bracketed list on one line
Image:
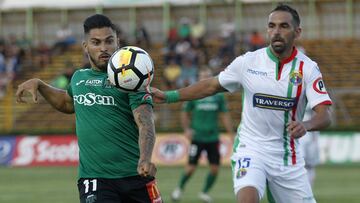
[(104, 57)]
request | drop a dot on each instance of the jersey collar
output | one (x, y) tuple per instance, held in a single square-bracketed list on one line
[(97, 72), (284, 61)]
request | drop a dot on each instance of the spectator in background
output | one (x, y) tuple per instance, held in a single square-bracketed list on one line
[(184, 29), (43, 54), (188, 72), (3, 75), (197, 33), (172, 33), (171, 74), (9, 65), (227, 39), (2, 52), (65, 39), (142, 37), (227, 28), (181, 48), (12, 62), (25, 46), (256, 41)]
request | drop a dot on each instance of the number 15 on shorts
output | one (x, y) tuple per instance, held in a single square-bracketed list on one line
[(243, 164)]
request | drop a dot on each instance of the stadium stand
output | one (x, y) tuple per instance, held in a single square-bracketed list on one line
[(340, 71)]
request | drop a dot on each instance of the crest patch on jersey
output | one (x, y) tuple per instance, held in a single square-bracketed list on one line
[(295, 78), (147, 97), (319, 86)]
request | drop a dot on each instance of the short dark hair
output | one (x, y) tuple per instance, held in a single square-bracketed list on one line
[(98, 21), (292, 11)]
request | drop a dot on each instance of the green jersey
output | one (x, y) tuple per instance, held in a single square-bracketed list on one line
[(105, 126), (204, 117)]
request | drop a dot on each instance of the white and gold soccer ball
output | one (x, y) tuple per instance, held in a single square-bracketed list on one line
[(130, 69)]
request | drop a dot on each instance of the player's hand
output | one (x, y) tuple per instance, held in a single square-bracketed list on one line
[(296, 129), (146, 168), (30, 86), (158, 95)]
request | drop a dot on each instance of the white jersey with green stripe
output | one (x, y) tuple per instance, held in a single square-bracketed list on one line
[(274, 93)]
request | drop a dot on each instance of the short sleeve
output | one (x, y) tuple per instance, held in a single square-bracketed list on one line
[(231, 77), (315, 89), (69, 91), (138, 98), (69, 88)]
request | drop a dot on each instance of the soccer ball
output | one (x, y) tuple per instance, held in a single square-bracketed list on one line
[(130, 69)]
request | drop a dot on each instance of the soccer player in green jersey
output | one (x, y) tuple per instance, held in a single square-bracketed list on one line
[(200, 123), (115, 130)]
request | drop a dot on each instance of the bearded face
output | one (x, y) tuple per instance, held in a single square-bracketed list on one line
[(282, 32), (100, 44)]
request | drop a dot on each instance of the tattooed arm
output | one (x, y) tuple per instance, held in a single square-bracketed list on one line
[(145, 121)]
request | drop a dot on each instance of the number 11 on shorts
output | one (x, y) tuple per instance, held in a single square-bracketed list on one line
[(87, 184)]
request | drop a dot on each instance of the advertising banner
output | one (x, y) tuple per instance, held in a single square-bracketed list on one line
[(339, 147), (7, 146), (46, 151), (170, 149)]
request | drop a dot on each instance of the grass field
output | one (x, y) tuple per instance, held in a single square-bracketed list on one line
[(334, 184)]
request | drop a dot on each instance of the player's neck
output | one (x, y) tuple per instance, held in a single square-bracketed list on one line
[(284, 55), (95, 68)]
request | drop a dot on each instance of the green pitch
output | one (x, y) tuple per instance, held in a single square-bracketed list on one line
[(334, 184)]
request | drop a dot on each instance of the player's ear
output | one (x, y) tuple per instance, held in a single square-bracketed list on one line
[(118, 42), (84, 46), (298, 32)]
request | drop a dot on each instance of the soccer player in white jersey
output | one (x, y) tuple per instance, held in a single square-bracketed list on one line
[(277, 82), (310, 148)]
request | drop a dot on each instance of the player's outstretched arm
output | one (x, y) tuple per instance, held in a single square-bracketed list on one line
[(145, 121), (58, 98), (198, 90)]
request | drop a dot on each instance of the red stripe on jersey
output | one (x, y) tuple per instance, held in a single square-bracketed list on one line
[(298, 94), (287, 60)]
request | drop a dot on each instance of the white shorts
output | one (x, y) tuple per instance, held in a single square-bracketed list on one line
[(310, 148), (287, 184)]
